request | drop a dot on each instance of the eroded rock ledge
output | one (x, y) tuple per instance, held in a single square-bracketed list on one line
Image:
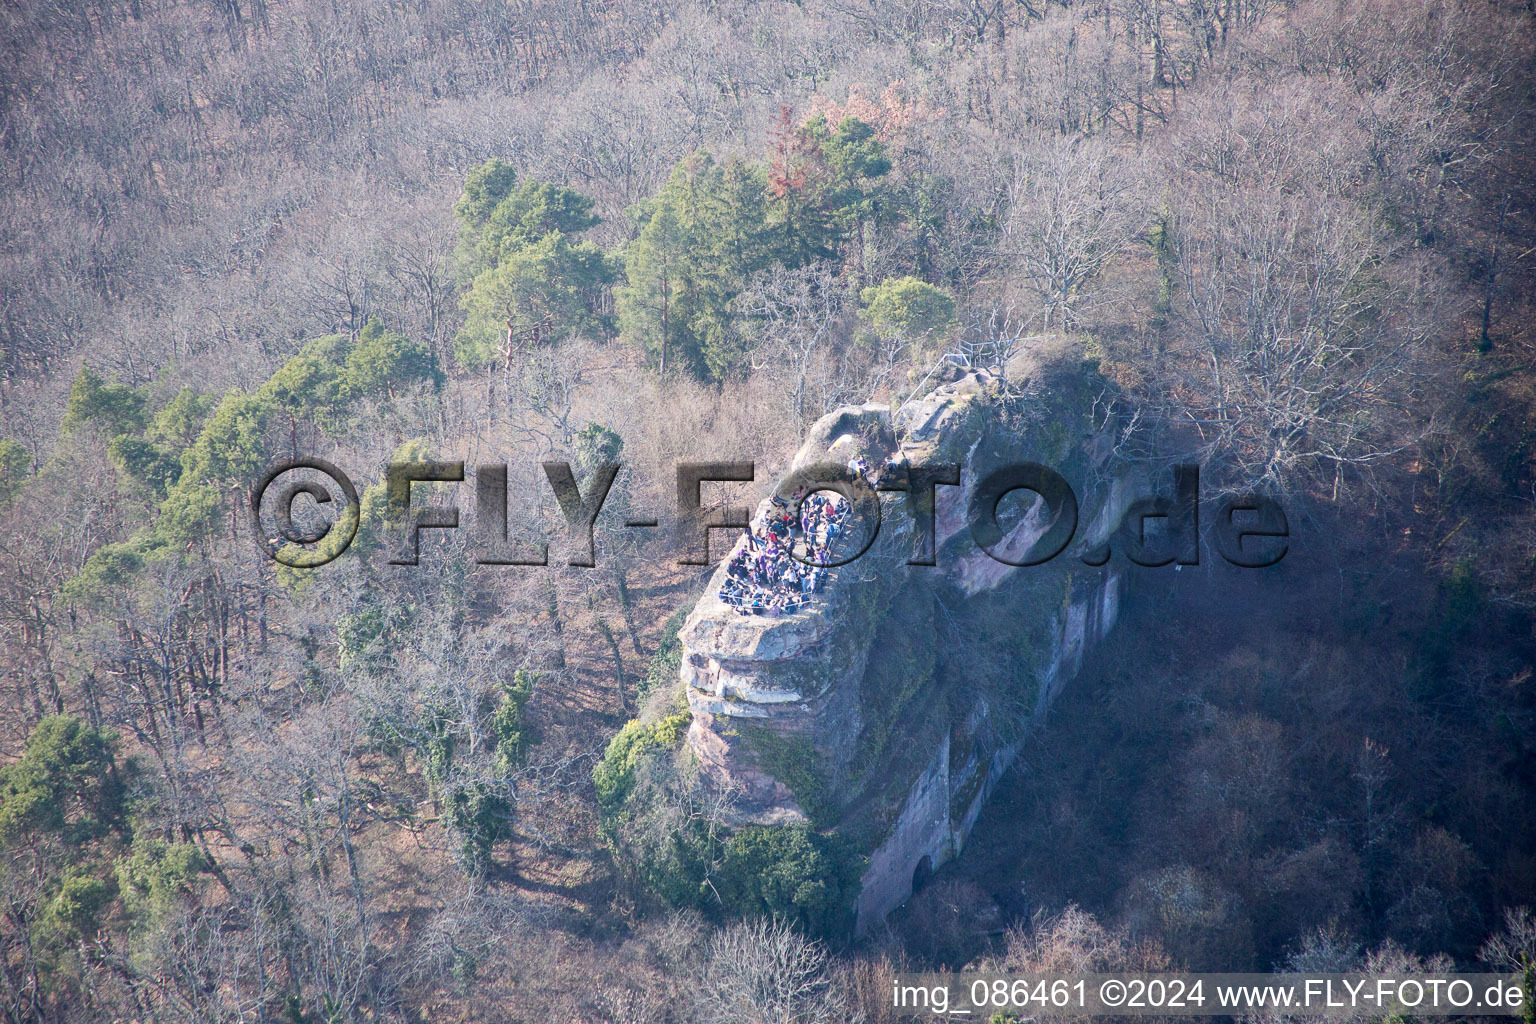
[(889, 706)]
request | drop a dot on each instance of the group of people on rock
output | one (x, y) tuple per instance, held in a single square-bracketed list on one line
[(763, 578)]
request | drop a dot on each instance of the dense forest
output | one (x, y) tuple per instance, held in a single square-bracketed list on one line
[(1298, 237)]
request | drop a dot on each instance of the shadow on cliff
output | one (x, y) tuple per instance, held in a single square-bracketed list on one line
[(1257, 755)]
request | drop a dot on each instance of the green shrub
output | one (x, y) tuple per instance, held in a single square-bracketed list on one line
[(484, 189), (791, 872), (112, 566), (508, 725), (668, 659), (614, 775), (146, 462), (78, 906), (518, 250), (155, 875), (116, 408), (479, 801), (672, 851), (363, 637), (154, 459), (551, 279), (66, 783), (596, 444), (908, 307), (714, 225), (15, 466), (383, 362)]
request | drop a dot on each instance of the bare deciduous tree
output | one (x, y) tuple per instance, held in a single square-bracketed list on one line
[(1072, 209), (803, 320), (1302, 357), (764, 972)]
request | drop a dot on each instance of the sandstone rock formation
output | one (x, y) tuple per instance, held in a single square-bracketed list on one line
[(890, 706)]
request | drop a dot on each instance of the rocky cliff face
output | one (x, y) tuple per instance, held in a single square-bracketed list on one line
[(891, 704)]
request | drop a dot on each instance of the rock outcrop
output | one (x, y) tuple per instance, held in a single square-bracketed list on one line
[(888, 707)]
